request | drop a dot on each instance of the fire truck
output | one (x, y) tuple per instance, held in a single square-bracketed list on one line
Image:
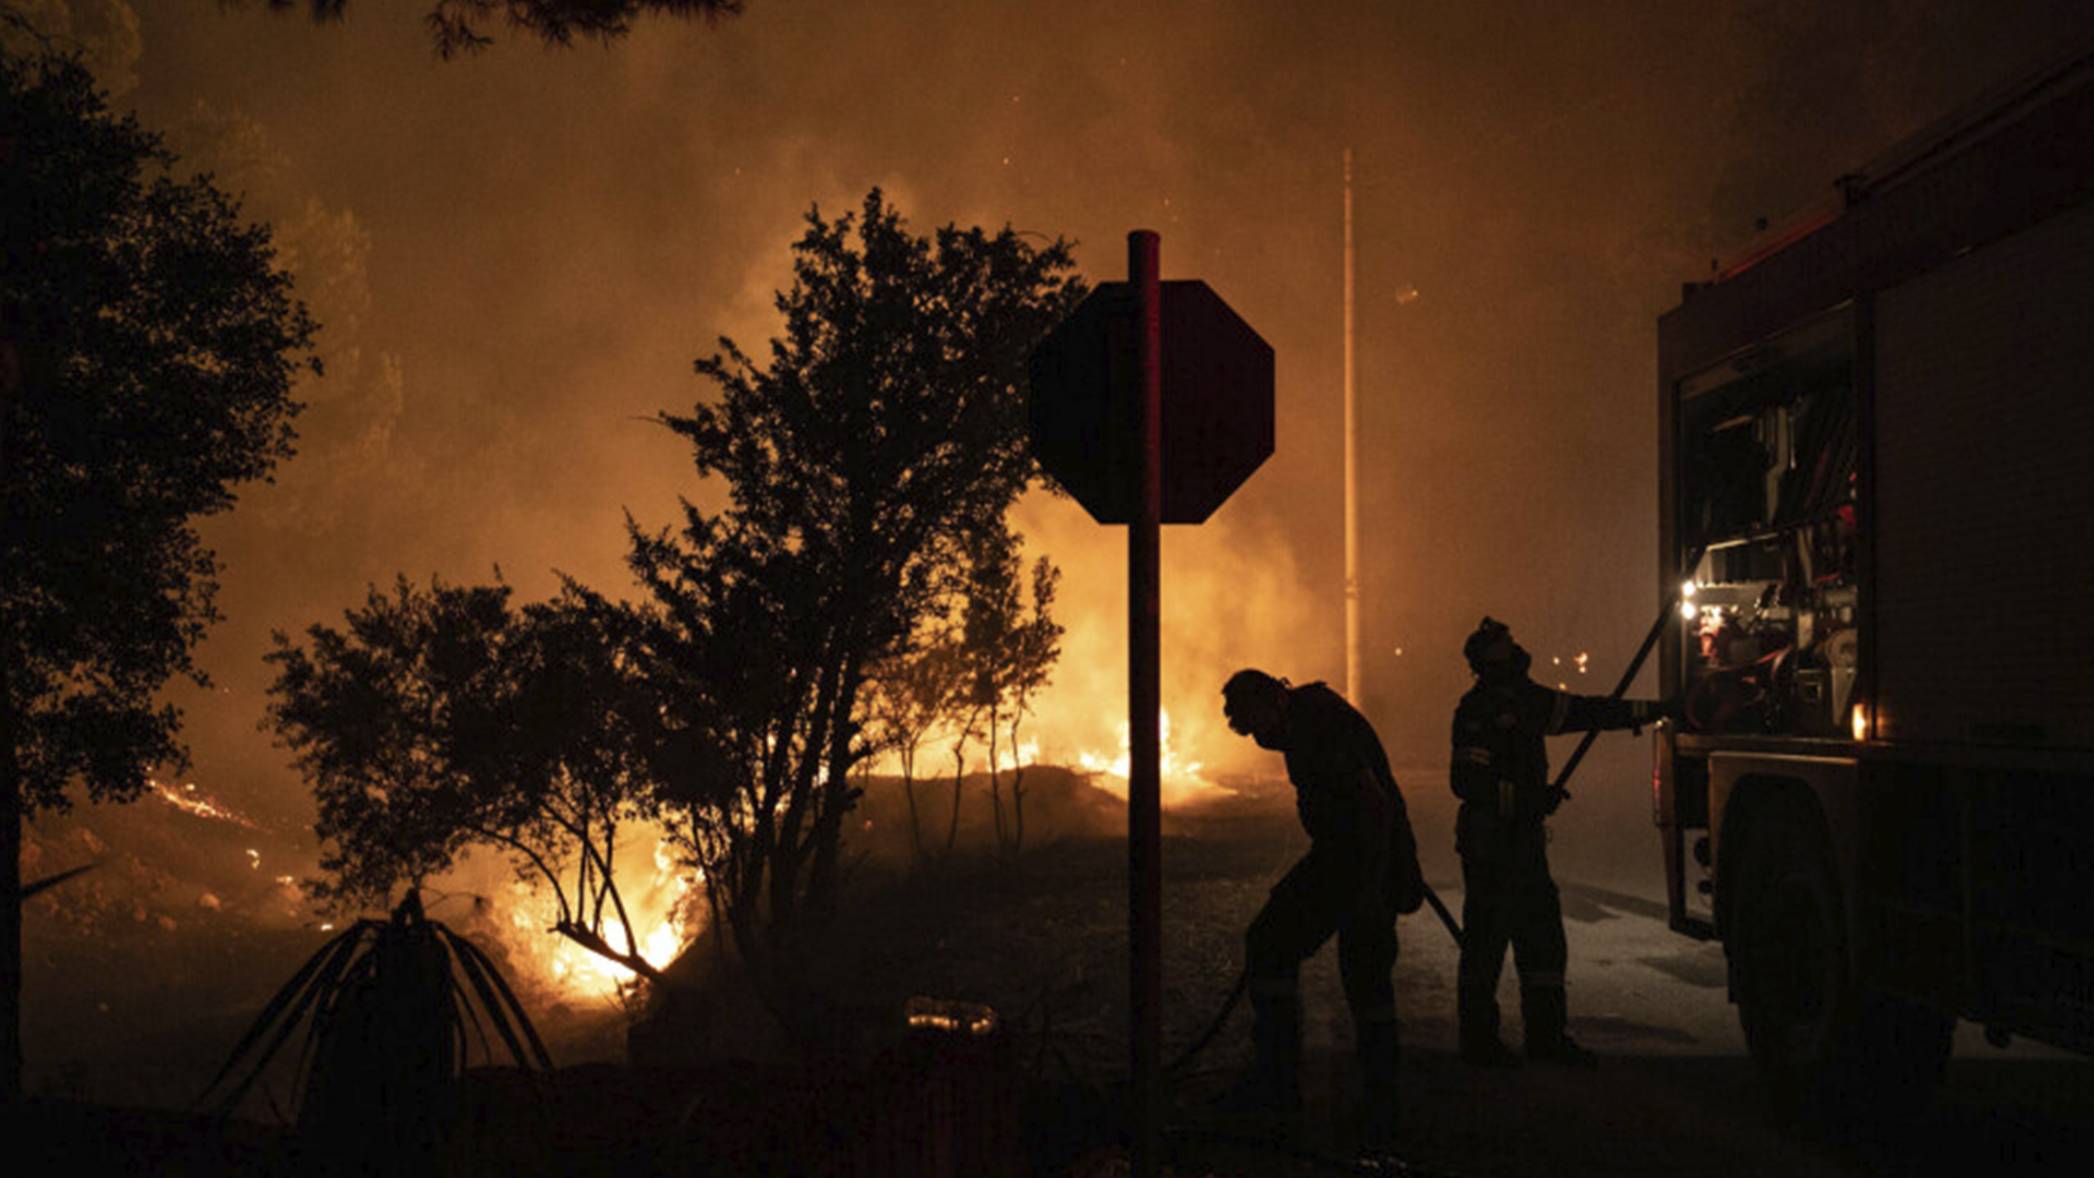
[(1876, 506)]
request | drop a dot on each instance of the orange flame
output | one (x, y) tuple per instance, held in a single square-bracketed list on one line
[(1180, 779), (191, 800), (659, 908)]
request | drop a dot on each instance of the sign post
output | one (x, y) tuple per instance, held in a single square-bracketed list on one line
[(1151, 403), (1144, 698)]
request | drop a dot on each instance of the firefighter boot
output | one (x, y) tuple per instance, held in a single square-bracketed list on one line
[(1544, 1010), (1379, 1048), (1480, 1045), (1269, 1095)]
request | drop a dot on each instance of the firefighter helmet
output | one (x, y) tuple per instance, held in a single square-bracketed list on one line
[(1477, 648)]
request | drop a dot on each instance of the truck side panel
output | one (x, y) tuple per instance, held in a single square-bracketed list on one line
[(1985, 422)]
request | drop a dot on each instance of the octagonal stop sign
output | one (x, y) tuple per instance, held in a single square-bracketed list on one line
[(1217, 402)]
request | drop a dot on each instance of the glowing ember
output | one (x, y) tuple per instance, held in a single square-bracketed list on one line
[(933, 1014)]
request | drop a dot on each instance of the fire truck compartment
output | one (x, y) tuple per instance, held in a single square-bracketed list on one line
[(1985, 497)]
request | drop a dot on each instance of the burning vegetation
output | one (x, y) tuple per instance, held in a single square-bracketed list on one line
[(830, 679), (1180, 775), (860, 592), (190, 800)]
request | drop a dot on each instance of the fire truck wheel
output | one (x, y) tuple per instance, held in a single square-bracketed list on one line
[(1828, 1049)]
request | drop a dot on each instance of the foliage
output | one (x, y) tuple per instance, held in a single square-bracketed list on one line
[(1008, 654), (442, 718), (912, 693), (885, 430), (969, 674), (368, 711), (964, 712), (102, 37), (351, 471), (573, 742), (386, 1005), (455, 25), (877, 450), (147, 347)]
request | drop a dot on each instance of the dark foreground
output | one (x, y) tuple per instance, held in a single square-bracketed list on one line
[(1044, 942)]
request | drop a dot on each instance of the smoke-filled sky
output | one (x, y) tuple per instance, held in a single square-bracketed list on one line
[(518, 255)]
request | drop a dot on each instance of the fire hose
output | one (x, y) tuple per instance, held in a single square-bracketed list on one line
[(52, 881), (1243, 981), (1558, 793)]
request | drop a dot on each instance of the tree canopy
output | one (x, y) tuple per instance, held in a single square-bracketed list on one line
[(148, 345), (863, 461), (438, 719), (380, 714), (1008, 653), (868, 464), (458, 26)]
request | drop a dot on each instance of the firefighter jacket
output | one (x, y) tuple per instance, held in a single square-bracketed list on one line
[(1343, 786), (1500, 761)]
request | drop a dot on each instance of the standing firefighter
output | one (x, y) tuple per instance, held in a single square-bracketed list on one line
[(1360, 872), (1501, 774)]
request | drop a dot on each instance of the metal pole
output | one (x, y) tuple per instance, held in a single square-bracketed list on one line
[(1144, 692), (1352, 475)]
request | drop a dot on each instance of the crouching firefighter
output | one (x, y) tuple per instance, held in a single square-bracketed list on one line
[(1360, 872), (1500, 772)]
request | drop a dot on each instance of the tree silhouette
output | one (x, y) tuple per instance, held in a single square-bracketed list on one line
[(455, 26), (440, 719), (886, 428), (147, 350), (878, 449), (912, 693), (369, 712), (965, 710), (1009, 653)]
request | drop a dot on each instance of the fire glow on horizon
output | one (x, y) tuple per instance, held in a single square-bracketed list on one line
[(1179, 776), (660, 906)]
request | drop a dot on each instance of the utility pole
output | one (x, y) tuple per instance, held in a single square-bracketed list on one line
[(1352, 473)]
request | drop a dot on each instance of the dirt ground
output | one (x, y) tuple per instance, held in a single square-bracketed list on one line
[(1042, 940)]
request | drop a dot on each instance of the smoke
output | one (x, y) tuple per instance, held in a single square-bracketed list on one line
[(104, 33), (518, 256), (1232, 597)]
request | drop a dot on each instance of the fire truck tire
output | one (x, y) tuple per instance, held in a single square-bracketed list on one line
[(1827, 1048)]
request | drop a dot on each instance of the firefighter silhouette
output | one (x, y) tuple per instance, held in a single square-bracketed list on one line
[(1500, 772), (1360, 872)]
